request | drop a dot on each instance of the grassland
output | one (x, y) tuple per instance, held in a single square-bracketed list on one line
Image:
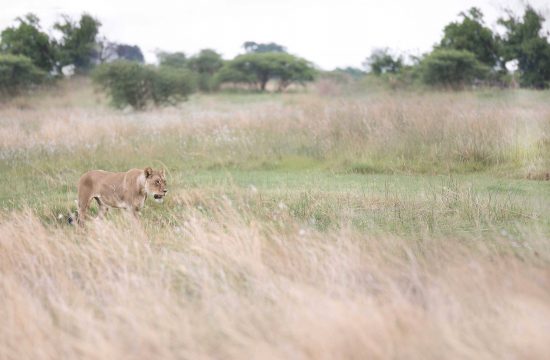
[(356, 225)]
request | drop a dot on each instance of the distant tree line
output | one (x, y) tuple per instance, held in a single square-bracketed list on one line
[(30, 57), (177, 76), (471, 53)]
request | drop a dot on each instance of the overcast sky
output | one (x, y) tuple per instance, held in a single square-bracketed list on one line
[(330, 33)]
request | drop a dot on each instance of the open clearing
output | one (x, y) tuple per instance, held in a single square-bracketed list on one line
[(373, 225)]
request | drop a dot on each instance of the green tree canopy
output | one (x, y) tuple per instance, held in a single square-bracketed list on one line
[(78, 42), (207, 61), (253, 47), (231, 74), (451, 68), (129, 52), (381, 62), (28, 39), (206, 64), (176, 59), (259, 68), (525, 42), (472, 35), (107, 51)]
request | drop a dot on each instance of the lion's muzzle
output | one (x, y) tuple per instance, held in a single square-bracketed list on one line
[(160, 197)]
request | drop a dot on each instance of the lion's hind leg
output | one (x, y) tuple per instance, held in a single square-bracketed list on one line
[(103, 209), (84, 199)]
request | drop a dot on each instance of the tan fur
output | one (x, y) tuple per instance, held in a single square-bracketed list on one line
[(123, 190)]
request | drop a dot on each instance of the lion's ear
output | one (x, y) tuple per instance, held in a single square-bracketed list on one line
[(162, 173), (148, 172)]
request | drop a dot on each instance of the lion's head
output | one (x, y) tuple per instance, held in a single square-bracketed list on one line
[(155, 184)]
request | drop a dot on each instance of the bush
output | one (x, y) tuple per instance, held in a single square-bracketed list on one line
[(207, 83), (172, 85), (128, 83), (137, 85), (17, 73), (451, 68)]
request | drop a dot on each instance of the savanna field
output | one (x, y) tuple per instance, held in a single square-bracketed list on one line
[(318, 224)]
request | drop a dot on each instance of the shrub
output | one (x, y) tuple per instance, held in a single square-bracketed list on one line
[(451, 68), (127, 83), (171, 85), (137, 85), (207, 83), (18, 73)]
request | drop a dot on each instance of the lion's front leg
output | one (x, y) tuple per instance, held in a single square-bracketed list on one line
[(136, 211), (103, 208), (137, 206)]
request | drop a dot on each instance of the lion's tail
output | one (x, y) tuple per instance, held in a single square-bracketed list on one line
[(72, 218)]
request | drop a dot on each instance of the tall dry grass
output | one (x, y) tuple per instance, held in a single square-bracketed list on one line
[(388, 132), (449, 272), (225, 285)]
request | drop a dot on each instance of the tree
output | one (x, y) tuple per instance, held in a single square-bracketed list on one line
[(207, 61), (206, 64), (290, 69), (177, 59), (129, 52), (259, 68), (472, 35), (253, 47), (231, 74), (107, 51), (78, 43), (29, 40), (451, 68), (17, 73), (381, 62), (524, 42)]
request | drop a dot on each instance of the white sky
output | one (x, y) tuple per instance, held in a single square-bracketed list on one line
[(329, 33)]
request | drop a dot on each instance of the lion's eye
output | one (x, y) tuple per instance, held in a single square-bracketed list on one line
[(158, 182)]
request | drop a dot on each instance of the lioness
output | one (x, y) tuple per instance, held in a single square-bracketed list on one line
[(124, 190)]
